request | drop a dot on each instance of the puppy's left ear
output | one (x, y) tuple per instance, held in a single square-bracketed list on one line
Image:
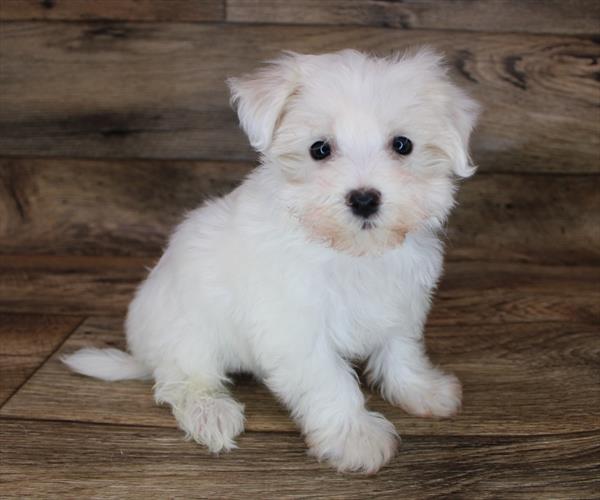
[(260, 98), (462, 113), (455, 108)]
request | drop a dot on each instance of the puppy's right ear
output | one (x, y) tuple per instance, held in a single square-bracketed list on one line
[(260, 97)]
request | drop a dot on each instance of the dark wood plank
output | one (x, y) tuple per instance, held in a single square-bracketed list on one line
[(128, 208), (81, 460), (61, 206), (157, 90), (117, 10), (26, 341), (530, 16), (518, 379), (535, 218), (470, 293)]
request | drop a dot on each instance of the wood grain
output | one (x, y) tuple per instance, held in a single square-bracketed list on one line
[(137, 87), (26, 341), (473, 293), (62, 206), (470, 293), (69, 285), (116, 10), (535, 218), (150, 90), (520, 379), (531, 16), (128, 208), (81, 460)]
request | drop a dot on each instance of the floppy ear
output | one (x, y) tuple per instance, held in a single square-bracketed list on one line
[(462, 117), (260, 97), (458, 111)]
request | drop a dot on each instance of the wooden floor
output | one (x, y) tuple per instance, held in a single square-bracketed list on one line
[(524, 340)]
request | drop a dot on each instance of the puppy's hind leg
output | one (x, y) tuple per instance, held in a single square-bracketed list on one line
[(202, 406)]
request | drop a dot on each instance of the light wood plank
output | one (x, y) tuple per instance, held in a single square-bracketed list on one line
[(82, 460), (470, 292), (157, 90), (115, 10), (26, 341), (530, 16), (510, 373), (128, 208)]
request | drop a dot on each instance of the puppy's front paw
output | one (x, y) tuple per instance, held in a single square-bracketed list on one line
[(364, 444), (213, 421), (437, 394)]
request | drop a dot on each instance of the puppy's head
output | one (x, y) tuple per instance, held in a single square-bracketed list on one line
[(362, 150)]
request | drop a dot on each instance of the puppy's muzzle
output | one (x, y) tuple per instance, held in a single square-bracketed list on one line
[(364, 202)]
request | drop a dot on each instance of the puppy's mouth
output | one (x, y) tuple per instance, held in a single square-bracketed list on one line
[(367, 225)]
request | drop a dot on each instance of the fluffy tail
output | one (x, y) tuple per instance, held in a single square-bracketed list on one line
[(106, 364)]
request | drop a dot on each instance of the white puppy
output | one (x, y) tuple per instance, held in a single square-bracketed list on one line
[(326, 253)]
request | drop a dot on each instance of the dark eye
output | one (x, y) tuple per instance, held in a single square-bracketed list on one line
[(320, 150), (402, 145)]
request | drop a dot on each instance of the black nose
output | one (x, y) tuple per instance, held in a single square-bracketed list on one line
[(364, 202)]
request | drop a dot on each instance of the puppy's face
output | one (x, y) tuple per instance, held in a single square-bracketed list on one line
[(362, 150)]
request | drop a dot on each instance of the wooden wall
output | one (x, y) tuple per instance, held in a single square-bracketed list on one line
[(114, 115)]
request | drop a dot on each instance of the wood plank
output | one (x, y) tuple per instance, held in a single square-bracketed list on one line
[(116, 10), (534, 218), (79, 460), (26, 341), (116, 90), (509, 374), (470, 293), (530, 16), (61, 206), (69, 285), (128, 208)]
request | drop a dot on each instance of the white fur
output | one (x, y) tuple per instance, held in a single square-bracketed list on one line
[(107, 364), (280, 279)]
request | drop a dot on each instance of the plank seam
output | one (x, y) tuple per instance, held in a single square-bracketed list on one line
[(589, 432), (439, 326), (47, 358), (145, 258), (253, 163), (324, 26)]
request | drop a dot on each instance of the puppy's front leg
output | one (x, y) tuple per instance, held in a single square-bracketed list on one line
[(323, 395), (408, 379)]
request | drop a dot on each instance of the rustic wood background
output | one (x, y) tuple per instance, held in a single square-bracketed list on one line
[(119, 81), (114, 120)]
